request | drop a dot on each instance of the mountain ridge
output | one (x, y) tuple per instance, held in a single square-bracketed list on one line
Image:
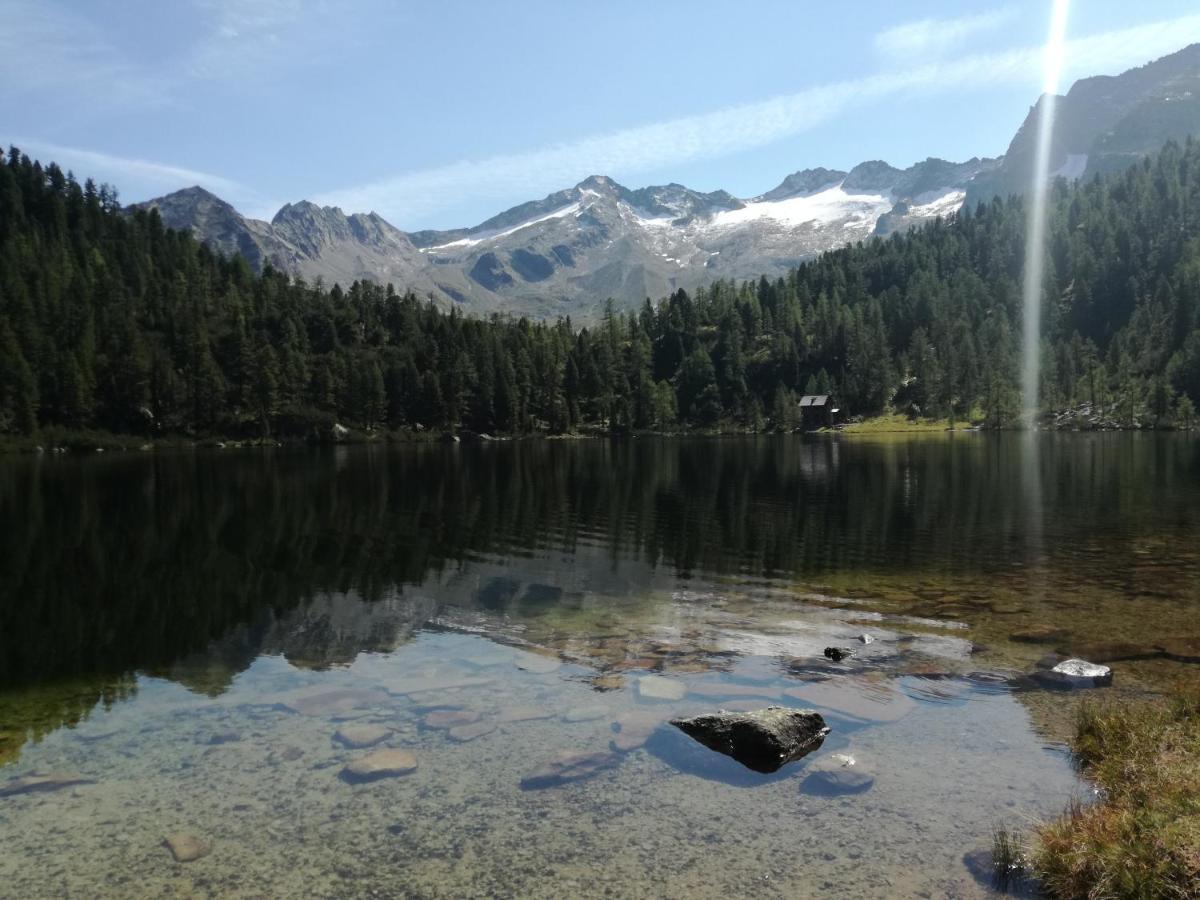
[(569, 251)]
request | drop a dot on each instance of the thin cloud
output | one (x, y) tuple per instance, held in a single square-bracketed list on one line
[(246, 36), (118, 169), (928, 38), (414, 195)]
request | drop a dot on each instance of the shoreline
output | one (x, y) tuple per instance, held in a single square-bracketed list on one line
[(66, 441)]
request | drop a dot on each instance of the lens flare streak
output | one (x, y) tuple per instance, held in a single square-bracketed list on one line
[(1035, 242)]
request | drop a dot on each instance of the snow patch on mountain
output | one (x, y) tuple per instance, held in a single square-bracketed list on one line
[(936, 203), (823, 207), (476, 239)]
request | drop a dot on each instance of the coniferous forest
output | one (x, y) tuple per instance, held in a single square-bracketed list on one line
[(109, 321)]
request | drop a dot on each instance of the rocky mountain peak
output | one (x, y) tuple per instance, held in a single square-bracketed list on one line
[(806, 181), (874, 176)]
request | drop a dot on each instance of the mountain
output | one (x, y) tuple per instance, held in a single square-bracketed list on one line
[(569, 252), (1104, 123)]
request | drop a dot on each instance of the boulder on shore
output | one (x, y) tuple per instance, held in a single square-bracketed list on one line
[(763, 740)]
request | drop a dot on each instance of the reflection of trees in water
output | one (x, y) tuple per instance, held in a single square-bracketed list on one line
[(138, 562), (33, 713)]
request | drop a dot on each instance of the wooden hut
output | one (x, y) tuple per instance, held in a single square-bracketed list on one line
[(818, 411)]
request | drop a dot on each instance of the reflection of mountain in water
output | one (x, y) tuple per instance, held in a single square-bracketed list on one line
[(329, 630), (139, 562)]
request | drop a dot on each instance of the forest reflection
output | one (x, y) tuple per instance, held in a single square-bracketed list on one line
[(138, 562)]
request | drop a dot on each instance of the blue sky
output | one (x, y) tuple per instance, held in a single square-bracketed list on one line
[(440, 114)]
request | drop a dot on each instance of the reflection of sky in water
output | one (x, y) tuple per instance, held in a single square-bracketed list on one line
[(564, 595)]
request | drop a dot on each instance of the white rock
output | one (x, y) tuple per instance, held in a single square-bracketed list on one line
[(1083, 673)]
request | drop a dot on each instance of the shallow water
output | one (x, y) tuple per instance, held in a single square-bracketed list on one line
[(188, 632)]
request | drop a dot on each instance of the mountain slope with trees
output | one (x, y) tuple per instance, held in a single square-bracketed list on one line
[(112, 321)]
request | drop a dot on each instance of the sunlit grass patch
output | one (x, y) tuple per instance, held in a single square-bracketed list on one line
[(895, 422)]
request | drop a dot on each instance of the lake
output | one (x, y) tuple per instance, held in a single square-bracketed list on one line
[(190, 641)]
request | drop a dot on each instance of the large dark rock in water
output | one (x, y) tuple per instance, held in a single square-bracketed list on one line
[(763, 740)]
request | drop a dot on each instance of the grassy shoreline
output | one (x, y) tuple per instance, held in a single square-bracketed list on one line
[(51, 439), (1141, 837)]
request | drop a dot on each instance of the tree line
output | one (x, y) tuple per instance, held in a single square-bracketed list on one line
[(111, 321)]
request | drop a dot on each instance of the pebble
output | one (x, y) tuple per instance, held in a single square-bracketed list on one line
[(380, 764), (357, 737), (187, 847)]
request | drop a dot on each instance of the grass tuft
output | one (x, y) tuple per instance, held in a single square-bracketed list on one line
[(1010, 864), (1141, 839)]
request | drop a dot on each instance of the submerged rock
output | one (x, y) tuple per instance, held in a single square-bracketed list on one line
[(285, 755), (835, 775), (536, 663), (1113, 651), (525, 714), (329, 703), (606, 683), (464, 733), (380, 764), (42, 783), (633, 730), (763, 740), (1039, 634), (585, 714), (566, 767), (186, 847), (656, 687), (357, 737), (1076, 673), (449, 718), (1185, 649)]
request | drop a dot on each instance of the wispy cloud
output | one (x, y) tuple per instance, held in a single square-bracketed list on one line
[(929, 38), (248, 36), (258, 42), (712, 135), (46, 49), (119, 170)]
